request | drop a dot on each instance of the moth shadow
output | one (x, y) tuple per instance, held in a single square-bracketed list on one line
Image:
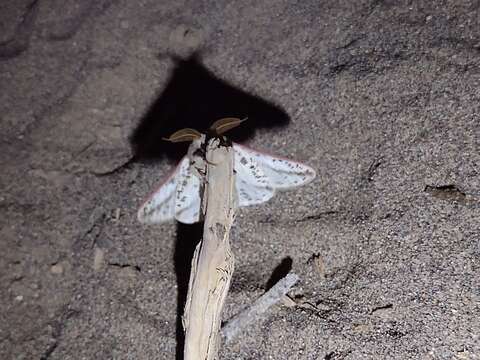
[(194, 98)]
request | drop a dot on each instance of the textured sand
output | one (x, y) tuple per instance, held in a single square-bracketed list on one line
[(380, 97)]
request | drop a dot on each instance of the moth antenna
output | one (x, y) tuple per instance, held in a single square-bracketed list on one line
[(223, 125), (184, 135)]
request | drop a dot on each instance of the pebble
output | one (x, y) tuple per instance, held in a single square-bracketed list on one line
[(57, 269)]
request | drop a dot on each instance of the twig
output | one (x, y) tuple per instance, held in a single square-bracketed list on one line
[(212, 264), (260, 306)]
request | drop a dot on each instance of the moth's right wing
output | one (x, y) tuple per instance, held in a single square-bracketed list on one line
[(251, 183), (281, 173), (258, 175), (178, 197)]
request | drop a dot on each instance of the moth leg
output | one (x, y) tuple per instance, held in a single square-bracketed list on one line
[(210, 163)]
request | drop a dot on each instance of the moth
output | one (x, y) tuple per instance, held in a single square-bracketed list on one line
[(257, 177)]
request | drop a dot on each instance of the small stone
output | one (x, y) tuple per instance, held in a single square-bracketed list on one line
[(288, 301), (117, 214), (19, 298), (98, 259), (56, 269)]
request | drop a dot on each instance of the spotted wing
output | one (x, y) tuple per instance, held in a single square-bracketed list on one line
[(250, 181), (261, 173), (178, 197), (187, 198)]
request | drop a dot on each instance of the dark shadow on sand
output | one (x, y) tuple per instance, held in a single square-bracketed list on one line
[(280, 271), (195, 98), (188, 237)]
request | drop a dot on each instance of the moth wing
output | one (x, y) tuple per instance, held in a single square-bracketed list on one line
[(159, 207), (251, 183), (282, 173), (187, 197)]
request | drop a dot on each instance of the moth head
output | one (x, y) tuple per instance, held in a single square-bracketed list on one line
[(221, 126)]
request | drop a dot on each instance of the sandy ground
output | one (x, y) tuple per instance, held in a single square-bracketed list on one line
[(380, 97)]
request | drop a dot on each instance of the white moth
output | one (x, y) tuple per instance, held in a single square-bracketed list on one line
[(257, 177)]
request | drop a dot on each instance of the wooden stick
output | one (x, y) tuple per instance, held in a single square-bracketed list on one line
[(212, 263), (258, 308)]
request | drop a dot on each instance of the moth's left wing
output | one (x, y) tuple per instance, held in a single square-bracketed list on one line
[(177, 198), (282, 174), (187, 199), (159, 207)]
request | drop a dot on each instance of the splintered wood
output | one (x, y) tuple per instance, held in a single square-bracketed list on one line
[(212, 263)]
